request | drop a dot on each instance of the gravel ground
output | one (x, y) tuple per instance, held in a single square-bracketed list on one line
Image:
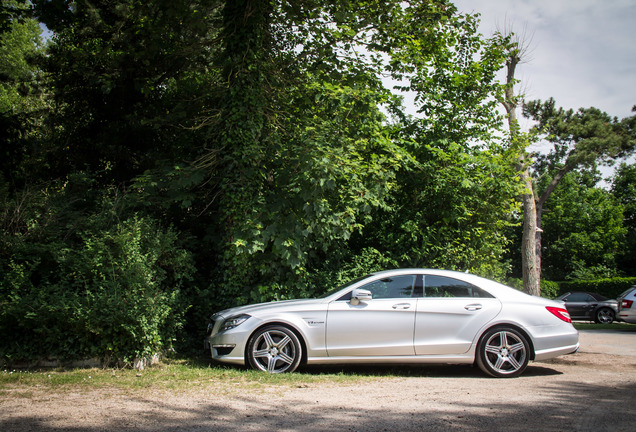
[(593, 390)]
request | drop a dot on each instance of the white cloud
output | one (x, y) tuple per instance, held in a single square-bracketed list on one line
[(583, 51)]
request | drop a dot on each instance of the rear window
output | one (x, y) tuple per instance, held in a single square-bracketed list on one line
[(441, 286)]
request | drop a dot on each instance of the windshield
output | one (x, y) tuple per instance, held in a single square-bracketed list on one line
[(335, 290)]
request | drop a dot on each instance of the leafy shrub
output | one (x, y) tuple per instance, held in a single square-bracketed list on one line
[(549, 289), (367, 261), (515, 283), (107, 289)]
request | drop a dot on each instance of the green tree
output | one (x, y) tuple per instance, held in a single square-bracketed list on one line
[(515, 49), (303, 156), (125, 80), (580, 139), (624, 189), (21, 97), (583, 229), (454, 201), (312, 173), (128, 78)]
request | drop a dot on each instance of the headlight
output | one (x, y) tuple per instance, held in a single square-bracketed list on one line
[(234, 321)]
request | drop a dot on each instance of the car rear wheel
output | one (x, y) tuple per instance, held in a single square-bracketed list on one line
[(605, 316), (274, 349), (503, 352)]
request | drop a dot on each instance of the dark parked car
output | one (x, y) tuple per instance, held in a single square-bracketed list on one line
[(590, 307)]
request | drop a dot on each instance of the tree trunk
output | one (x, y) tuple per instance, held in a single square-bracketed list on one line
[(538, 253), (529, 257), (539, 215), (529, 265)]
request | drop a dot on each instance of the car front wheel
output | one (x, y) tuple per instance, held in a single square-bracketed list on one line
[(503, 352), (274, 349), (605, 316)]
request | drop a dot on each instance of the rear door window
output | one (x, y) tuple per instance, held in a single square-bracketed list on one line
[(441, 286)]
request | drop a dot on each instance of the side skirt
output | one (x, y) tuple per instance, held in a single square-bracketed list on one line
[(431, 359)]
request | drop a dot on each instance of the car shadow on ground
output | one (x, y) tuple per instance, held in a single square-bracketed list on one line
[(400, 370), (418, 371)]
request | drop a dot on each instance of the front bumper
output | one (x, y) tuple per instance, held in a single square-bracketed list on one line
[(229, 346)]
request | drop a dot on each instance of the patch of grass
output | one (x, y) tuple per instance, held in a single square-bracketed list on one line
[(170, 375), (614, 326)]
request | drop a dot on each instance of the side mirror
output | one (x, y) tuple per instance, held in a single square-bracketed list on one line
[(359, 295)]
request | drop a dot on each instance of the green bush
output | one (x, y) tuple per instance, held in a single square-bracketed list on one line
[(610, 287), (549, 289), (116, 294), (515, 283)]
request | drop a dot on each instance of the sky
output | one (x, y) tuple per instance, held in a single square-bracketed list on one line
[(582, 52)]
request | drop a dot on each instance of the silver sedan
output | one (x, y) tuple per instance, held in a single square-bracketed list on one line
[(398, 316)]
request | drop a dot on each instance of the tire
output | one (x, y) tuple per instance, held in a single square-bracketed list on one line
[(604, 316), (503, 352), (274, 349)]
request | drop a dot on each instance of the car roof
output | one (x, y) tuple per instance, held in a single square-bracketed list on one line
[(495, 288), (595, 295)]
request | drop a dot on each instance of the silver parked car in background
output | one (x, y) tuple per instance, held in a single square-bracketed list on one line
[(398, 316), (627, 306)]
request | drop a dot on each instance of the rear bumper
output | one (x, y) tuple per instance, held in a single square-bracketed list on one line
[(627, 316), (555, 352)]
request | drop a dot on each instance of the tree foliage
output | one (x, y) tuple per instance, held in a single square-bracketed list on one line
[(22, 98), (126, 79), (624, 189), (78, 281), (580, 140), (583, 230), (324, 169)]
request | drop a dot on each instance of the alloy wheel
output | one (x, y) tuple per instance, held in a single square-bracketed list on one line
[(605, 316), (275, 350), (505, 353)]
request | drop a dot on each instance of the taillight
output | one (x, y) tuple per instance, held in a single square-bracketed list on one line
[(626, 304), (560, 313)]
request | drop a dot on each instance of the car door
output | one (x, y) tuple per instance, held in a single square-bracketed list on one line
[(450, 315), (382, 326), (580, 305)]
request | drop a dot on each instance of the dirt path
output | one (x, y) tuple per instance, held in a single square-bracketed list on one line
[(588, 391)]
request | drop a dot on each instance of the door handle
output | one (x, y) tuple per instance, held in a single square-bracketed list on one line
[(401, 306), (473, 307)]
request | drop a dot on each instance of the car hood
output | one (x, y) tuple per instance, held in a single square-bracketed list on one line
[(269, 306)]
